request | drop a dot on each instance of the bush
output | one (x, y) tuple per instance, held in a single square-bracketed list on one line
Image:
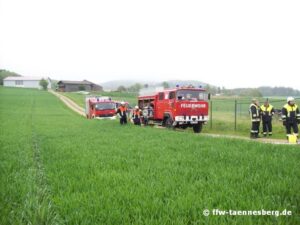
[(44, 84), (81, 88)]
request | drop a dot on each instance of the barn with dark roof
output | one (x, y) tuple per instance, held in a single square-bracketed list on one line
[(71, 86)]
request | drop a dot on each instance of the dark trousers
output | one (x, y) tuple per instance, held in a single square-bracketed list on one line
[(137, 121), (255, 129), (267, 127), (123, 120), (289, 127), (146, 121)]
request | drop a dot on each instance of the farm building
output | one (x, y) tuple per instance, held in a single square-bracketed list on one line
[(25, 82), (68, 86)]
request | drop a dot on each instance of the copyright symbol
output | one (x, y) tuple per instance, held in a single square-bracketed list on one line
[(206, 212)]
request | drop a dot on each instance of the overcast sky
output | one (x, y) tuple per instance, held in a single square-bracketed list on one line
[(226, 43)]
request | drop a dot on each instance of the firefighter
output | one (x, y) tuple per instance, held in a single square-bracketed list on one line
[(122, 112), (267, 112), (136, 116), (255, 118), (290, 116), (147, 112)]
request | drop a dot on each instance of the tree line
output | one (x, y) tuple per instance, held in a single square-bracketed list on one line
[(214, 90)]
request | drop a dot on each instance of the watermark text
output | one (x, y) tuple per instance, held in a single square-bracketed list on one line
[(232, 212)]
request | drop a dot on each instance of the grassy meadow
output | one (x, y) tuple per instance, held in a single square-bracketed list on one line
[(60, 168)]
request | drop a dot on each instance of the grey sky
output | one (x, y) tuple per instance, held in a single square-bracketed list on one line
[(226, 43)]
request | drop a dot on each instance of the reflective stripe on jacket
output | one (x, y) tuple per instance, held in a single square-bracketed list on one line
[(254, 113), (136, 114), (290, 113), (267, 112), (122, 110)]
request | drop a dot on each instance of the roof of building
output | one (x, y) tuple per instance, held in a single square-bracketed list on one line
[(75, 82), (26, 78)]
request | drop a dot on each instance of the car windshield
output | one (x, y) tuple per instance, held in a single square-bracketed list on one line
[(105, 105), (191, 95)]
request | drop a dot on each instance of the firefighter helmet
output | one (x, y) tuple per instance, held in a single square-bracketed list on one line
[(255, 101), (290, 99), (122, 103), (136, 107)]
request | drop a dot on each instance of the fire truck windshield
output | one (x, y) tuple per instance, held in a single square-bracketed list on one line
[(191, 95), (105, 105)]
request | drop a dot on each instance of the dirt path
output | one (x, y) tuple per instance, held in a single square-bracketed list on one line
[(262, 140), (76, 108), (68, 102)]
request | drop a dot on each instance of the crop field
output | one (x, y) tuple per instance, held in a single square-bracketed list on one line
[(59, 168), (222, 113)]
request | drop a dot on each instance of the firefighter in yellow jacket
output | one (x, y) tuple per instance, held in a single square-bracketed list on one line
[(267, 112), (254, 111), (290, 116)]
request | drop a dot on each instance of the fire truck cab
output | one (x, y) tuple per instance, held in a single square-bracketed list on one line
[(100, 107), (180, 107)]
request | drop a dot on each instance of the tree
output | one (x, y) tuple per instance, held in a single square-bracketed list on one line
[(44, 84), (121, 89), (6, 73), (81, 87), (135, 88), (207, 87), (165, 84), (54, 84), (252, 92)]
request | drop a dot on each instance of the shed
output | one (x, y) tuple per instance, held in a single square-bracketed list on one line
[(69, 86)]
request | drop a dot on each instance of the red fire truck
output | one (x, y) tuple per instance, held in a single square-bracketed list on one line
[(100, 107), (178, 107)]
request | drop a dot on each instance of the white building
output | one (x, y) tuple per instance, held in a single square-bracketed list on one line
[(25, 82)]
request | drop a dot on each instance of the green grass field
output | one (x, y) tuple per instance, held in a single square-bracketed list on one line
[(60, 168)]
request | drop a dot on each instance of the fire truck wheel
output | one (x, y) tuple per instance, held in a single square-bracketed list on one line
[(169, 123), (197, 128), (184, 126)]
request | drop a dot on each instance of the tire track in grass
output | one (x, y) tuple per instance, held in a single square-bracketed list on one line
[(70, 103), (38, 207)]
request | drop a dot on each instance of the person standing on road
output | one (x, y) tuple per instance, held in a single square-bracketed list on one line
[(267, 112), (255, 118), (290, 116), (136, 116), (122, 112)]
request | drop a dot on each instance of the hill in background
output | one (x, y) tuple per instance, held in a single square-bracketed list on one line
[(134, 85), (278, 91), (262, 91), (115, 84)]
